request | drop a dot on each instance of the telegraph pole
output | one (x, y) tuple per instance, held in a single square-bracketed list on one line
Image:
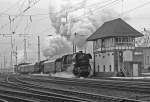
[(94, 60), (38, 48), (25, 51), (11, 62), (1, 66), (74, 45), (4, 62), (16, 56)]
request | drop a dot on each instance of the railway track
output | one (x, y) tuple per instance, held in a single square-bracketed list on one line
[(18, 96), (15, 92), (141, 87), (89, 96), (10, 98)]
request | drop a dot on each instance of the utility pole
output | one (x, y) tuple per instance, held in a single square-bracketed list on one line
[(25, 50), (74, 45), (122, 11), (1, 66), (94, 60), (11, 62), (16, 56), (38, 48), (4, 62)]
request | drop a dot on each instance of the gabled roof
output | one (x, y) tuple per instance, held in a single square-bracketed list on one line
[(116, 27)]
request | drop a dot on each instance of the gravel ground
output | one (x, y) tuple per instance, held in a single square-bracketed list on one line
[(103, 91)]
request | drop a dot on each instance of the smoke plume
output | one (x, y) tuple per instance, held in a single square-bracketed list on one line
[(77, 21), (56, 46)]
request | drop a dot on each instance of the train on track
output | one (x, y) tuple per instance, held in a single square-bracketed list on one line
[(77, 63)]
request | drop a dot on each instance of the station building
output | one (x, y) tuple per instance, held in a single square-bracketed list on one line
[(113, 49), (146, 53), (142, 54)]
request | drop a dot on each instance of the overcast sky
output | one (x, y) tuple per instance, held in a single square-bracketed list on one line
[(136, 10), (140, 17)]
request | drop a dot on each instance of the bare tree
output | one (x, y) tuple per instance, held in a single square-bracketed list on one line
[(145, 40)]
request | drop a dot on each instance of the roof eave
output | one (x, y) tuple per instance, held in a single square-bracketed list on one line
[(93, 39)]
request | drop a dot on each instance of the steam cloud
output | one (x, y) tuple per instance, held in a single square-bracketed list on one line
[(56, 45), (67, 74), (67, 26)]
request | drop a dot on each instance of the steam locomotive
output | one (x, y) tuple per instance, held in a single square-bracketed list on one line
[(77, 63)]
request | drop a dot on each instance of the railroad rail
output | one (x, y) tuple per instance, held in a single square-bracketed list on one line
[(141, 87), (83, 95), (10, 98), (16, 96), (21, 93)]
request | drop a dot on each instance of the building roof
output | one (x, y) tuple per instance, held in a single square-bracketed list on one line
[(116, 27)]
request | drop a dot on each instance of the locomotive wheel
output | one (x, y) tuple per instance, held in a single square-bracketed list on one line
[(87, 73), (79, 73), (76, 71)]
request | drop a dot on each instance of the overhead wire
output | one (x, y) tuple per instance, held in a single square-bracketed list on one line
[(101, 7), (98, 9), (89, 5), (46, 14), (18, 23), (113, 3), (43, 31), (106, 5), (3, 12), (84, 15), (40, 14), (137, 7), (26, 9)]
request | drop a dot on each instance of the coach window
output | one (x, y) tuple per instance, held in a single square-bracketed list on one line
[(103, 68), (98, 68), (147, 59), (95, 55), (110, 68), (99, 55)]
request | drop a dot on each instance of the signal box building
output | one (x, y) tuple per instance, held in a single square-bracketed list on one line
[(142, 54), (146, 52), (113, 46)]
